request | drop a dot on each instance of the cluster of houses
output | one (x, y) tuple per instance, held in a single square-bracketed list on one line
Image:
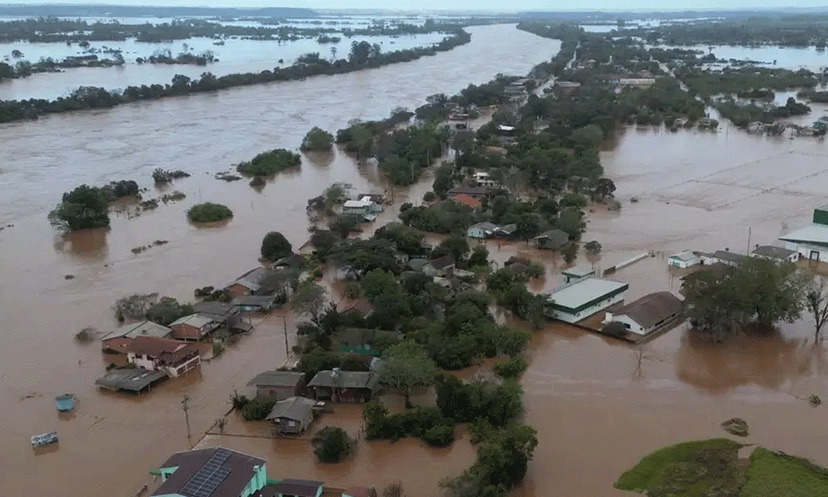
[(220, 472), (155, 352)]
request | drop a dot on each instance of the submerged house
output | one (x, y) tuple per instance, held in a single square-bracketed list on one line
[(193, 327), (725, 257), (778, 254), (250, 283), (647, 314), (684, 259), (291, 416), (278, 385), (118, 340), (172, 357), (551, 240), (214, 472), (583, 298), (345, 386), (482, 230)]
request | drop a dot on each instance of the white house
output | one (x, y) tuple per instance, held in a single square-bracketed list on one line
[(722, 256), (362, 207), (684, 259), (811, 242), (482, 230), (172, 357), (647, 314), (583, 298), (485, 179)]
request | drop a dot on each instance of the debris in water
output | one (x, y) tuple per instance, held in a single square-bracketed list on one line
[(87, 335), (65, 402), (736, 426), (814, 400), (69, 277), (44, 439)]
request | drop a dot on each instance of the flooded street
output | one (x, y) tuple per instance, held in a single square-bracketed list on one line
[(597, 413), (114, 440)]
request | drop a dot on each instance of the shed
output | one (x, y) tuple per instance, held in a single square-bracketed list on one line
[(133, 380), (278, 385), (583, 298), (345, 386), (291, 416), (647, 314), (552, 239)]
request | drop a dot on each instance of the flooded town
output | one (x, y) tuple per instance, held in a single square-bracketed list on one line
[(303, 252)]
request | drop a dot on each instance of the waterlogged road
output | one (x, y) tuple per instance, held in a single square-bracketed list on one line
[(113, 440)]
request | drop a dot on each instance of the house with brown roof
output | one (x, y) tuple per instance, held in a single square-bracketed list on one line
[(476, 192), (470, 202), (442, 266), (214, 472), (250, 283), (647, 314), (172, 357), (291, 416), (344, 386)]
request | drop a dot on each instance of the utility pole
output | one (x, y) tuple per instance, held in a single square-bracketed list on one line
[(185, 406), (284, 324), (749, 233)]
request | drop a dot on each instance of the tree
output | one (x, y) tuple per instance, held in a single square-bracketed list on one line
[(816, 301), (310, 299), (84, 207), (443, 179), (332, 445), (406, 366), (275, 246), (479, 256), (569, 252), (454, 245), (590, 136), (317, 139), (593, 247), (378, 282), (209, 212)]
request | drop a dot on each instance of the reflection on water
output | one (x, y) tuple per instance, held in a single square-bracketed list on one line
[(89, 244)]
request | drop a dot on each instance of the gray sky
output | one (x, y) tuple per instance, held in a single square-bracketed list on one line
[(489, 5)]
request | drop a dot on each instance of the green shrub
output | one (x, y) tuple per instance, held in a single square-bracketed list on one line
[(439, 436), (257, 409), (332, 444), (317, 139), (353, 290), (512, 368), (275, 246), (269, 163), (84, 207), (209, 212), (238, 400)]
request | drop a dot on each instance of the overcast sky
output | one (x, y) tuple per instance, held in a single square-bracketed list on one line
[(489, 5)]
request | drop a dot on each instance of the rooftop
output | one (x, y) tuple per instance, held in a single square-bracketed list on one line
[(582, 292), (485, 226), (252, 301), (157, 347), (277, 379), (651, 309), (442, 262), (293, 408), (214, 472), (130, 379), (345, 379), (357, 204), (143, 328), (726, 255), (773, 252), (815, 233), (466, 200), (297, 488), (685, 255), (252, 279), (196, 320), (213, 308)]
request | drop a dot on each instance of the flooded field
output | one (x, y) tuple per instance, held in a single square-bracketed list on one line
[(113, 440), (235, 56), (596, 411)]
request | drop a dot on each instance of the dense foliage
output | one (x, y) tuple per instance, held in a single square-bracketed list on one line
[(332, 445), (84, 207), (275, 246), (269, 163), (317, 139), (209, 212)]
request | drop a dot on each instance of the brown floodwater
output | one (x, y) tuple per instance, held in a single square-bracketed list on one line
[(112, 440), (596, 412)]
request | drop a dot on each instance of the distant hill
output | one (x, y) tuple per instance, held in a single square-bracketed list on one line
[(141, 11)]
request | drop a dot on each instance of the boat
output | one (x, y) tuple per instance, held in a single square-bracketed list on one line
[(65, 402), (44, 439)]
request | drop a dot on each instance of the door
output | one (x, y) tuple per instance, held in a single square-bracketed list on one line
[(813, 257)]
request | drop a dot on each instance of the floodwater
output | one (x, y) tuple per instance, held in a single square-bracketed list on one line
[(785, 57), (113, 440), (235, 56)]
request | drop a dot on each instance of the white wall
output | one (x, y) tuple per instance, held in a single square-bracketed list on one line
[(629, 324), (574, 318)]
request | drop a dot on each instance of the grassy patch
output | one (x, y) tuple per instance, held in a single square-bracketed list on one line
[(691, 469), (774, 475)]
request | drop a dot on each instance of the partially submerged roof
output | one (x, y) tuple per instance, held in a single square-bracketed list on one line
[(726, 255), (345, 379), (214, 472), (685, 255), (297, 488), (253, 301), (277, 379), (214, 309), (129, 379), (195, 320), (485, 226), (651, 309), (582, 293), (143, 328), (553, 235), (772, 252), (716, 271), (252, 279), (442, 262), (578, 272), (816, 234), (293, 408)]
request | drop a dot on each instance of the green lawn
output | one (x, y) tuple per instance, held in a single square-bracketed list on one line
[(711, 468), (774, 475)]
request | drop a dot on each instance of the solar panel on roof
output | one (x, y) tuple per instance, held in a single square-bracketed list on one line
[(209, 477)]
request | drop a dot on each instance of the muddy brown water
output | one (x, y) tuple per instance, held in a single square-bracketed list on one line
[(596, 412)]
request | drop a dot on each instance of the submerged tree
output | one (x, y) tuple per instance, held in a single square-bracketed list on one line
[(406, 366), (816, 302), (84, 207)]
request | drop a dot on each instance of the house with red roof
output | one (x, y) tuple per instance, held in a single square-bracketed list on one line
[(466, 200)]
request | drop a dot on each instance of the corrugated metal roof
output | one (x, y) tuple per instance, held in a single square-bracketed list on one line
[(583, 291), (195, 320), (293, 408), (277, 379), (143, 328), (651, 309), (815, 233)]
